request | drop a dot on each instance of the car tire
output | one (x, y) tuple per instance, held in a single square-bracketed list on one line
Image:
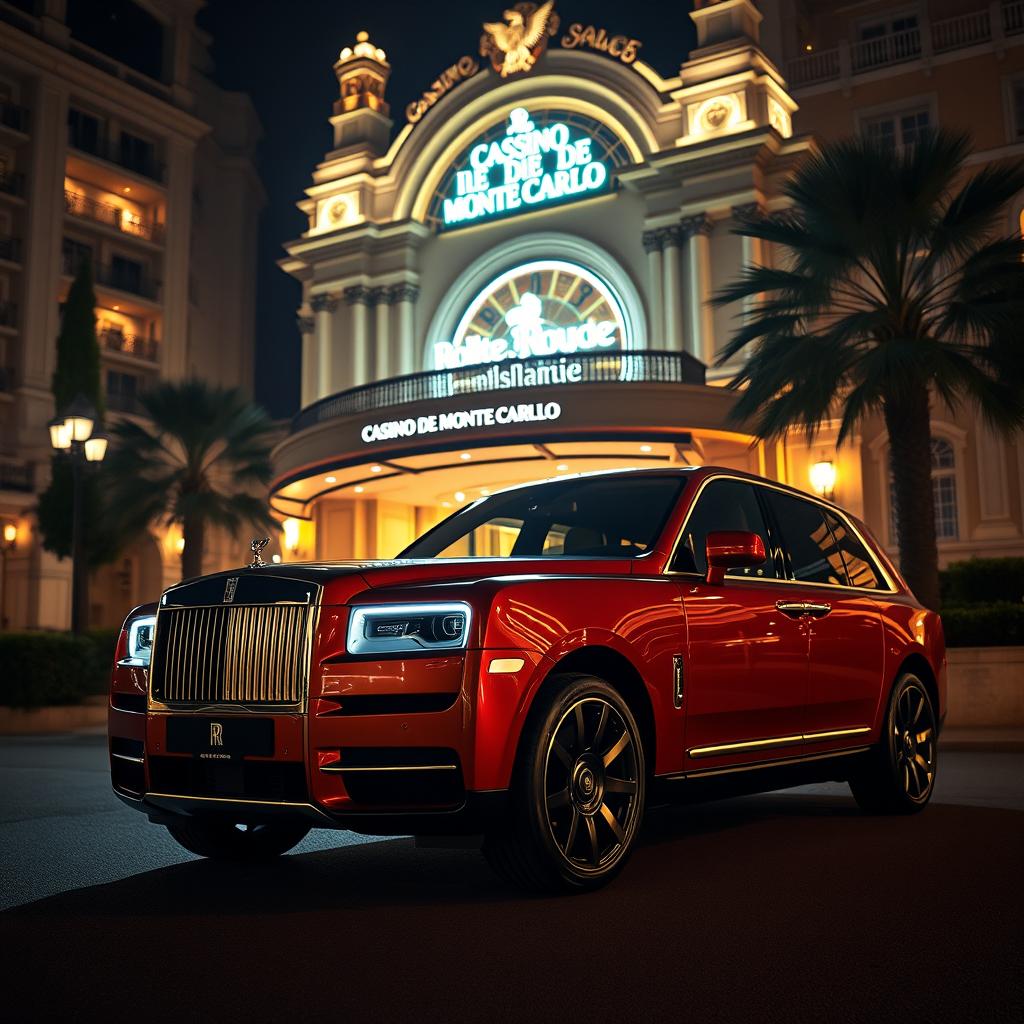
[(224, 840), (578, 791), (898, 776)]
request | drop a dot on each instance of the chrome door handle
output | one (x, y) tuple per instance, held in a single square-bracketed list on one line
[(796, 609)]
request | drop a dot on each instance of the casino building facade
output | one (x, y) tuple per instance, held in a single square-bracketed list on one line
[(516, 285)]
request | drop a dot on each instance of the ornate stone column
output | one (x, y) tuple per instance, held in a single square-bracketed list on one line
[(671, 239), (323, 307), (405, 296), (383, 363), (702, 330), (652, 246), (357, 297), (306, 326), (753, 251)]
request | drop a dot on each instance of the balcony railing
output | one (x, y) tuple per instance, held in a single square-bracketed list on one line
[(10, 249), (985, 25), (130, 344), (8, 314), (147, 166), (13, 183), (13, 116), (17, 476), (124, 279), (538, 372), (117, 217)]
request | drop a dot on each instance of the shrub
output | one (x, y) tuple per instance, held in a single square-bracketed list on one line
[(997, 624), (42, 669), (982, 581)]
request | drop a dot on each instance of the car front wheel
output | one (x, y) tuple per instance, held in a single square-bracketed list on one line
[(225, 840), (578, 792), (899, 775)]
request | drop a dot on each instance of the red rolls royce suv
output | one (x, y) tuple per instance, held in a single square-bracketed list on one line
[(632, 636)]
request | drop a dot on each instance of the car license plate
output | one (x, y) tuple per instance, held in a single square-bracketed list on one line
[(221, 739)]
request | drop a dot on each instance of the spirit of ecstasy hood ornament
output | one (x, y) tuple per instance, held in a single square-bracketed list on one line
[(257, 546)]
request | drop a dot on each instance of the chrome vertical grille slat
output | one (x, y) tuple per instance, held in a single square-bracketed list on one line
[(236, 654)]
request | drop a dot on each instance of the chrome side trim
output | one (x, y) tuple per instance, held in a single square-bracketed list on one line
[(782, 762), (775, 741), (394, 768), (792, 493), (128, 757)]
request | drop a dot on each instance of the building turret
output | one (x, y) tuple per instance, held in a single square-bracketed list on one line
[(361, 112)]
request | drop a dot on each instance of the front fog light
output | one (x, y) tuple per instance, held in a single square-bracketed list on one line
[(390, 629)]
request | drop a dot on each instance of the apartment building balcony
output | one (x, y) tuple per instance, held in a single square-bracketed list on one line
[(17, 476), (143, 164), (131, 278), (993, 25), (8, 314), (117, 402), (120, 218), (14, 117), (12, 183), (10, 249), (134, 345)]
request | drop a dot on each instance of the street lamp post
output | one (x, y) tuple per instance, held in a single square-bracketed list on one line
[(73, 433), (10, 539)]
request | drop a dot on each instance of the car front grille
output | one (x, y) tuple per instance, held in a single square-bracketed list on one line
[(238, 654)]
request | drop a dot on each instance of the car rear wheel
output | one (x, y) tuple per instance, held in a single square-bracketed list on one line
[(226, 840), (578, 791), (899, 775)]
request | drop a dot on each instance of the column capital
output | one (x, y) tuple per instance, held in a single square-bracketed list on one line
[(380, 296), (653, 240), (748, 211), (701, 224), (305, 324), (672, 236), (323, 303), (405, 292), (357, 293)]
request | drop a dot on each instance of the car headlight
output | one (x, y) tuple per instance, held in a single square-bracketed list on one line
[(394, 628), (140, 638)]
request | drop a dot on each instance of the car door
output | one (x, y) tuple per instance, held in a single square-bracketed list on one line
[(846, 655), (745, 671)]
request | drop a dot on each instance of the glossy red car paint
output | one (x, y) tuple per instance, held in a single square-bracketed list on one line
[(716, 675)]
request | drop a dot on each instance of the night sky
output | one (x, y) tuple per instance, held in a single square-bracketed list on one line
[(282, 54)]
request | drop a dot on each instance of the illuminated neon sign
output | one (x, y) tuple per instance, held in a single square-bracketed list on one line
[(530, 167)]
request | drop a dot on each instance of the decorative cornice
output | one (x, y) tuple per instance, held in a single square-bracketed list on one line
[(357, 293), (698, 225), (305, 324), (405, 292), (323, 303)]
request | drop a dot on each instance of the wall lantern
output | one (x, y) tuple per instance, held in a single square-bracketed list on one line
[(291, 536), (823, 478)]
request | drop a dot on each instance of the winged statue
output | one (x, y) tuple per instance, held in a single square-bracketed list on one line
[(515, 45)]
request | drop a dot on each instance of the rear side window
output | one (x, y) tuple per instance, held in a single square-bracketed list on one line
[(722, 505), (861, 569), (814, 556)]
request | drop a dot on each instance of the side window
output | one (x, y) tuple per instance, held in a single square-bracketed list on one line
[(722, 505), (861, 569), (813, 554)]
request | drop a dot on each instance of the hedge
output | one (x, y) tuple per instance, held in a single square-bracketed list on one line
[(982, 581), (997, 624), (43, 669)]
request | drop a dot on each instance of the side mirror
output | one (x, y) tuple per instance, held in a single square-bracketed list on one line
[(732, 549)]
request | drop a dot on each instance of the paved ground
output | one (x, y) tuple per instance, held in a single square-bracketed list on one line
[(783, 907)]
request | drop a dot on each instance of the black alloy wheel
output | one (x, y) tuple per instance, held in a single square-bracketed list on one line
[(578, 795), (898, 776)]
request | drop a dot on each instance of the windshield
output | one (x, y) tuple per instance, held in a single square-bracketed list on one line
[(609, 517)]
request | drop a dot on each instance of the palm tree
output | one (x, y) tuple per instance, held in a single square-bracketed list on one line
[(897, 285), (194, 463)]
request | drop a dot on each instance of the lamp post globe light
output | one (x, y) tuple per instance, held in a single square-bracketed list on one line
[(74, 434)]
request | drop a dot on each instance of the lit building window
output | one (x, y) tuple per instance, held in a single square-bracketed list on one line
[(947, 523)]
